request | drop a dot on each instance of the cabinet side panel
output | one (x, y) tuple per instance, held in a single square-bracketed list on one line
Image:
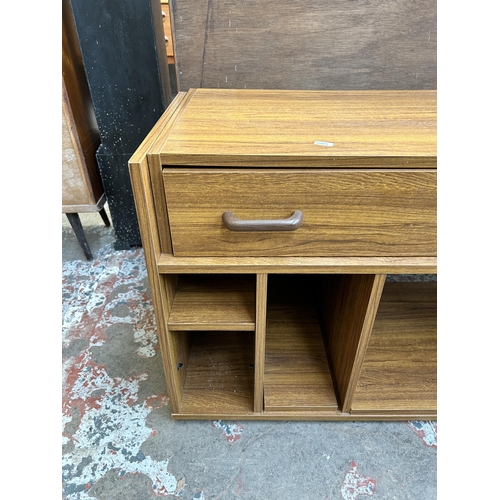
[(174, 347), (162, 287)]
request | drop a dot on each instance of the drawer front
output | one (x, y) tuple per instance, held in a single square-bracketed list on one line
[(362, 213)]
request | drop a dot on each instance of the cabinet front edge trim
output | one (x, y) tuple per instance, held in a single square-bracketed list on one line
[(168, 264)]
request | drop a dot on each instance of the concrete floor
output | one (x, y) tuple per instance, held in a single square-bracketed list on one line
[(119, 441)]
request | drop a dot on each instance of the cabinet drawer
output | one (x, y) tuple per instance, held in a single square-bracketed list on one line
[(344, 212)]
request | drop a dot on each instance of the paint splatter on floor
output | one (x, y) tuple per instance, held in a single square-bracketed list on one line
[(355, 484), (199, 495), (104, 292), (232, 432), (104, 424), (426, 431)]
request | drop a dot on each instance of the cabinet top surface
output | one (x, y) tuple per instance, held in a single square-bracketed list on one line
[(240, 128)]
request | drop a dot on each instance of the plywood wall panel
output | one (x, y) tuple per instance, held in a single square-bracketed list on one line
[(365, 44)]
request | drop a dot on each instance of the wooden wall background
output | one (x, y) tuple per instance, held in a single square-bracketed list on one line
[(302, 44)]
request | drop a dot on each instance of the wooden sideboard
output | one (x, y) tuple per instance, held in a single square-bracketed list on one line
[(290, 241)]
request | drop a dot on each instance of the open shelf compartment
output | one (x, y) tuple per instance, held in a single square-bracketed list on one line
[(213, 302), (297, 375), (329, 346), (399, 371), (220, 375)]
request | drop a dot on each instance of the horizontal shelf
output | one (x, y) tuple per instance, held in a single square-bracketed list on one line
[(169, 264), (297, 374), (399, 370), (210, 302), (220, 375)]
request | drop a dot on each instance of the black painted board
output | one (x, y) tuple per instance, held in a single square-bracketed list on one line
[(116, 182), (130, 89)]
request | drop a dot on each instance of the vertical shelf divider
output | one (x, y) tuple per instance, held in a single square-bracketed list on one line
[(260, 341), (369, 318), (348, 315)]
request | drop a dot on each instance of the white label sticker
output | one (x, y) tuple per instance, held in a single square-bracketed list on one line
[(323, 143)]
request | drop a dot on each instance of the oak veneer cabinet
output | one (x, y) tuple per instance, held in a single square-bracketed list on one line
[(276, 226)]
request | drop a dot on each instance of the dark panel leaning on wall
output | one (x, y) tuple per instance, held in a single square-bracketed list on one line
[(129, 84), (346, 44)]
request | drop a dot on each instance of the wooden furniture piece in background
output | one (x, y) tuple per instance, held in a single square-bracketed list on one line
[(309, 319), (167, 29), (82, 189), (169, 45), (318, 45)]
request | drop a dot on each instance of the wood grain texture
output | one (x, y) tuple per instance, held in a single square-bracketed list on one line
[(172, 346), (208, 302), (282, 128), (297, 375), (374, 44), (76, 186), (161, 212), (154, 166), (161, 288), (372, 212), (260, 341), (366, 329), (345, 213), (348, 312), (399, 372), (318, 416), (221, 375), (168, 264)]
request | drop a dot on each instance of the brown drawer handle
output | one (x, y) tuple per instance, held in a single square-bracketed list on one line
[(290, 224)]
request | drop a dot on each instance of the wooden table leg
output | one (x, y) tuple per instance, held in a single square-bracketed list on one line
[(76, 224), (104, 217)]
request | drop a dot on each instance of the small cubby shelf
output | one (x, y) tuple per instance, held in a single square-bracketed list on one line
[(297, 374), (214, 302), (220, 376), (212, 320)]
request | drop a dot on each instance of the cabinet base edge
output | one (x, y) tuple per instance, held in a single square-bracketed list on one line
[(318, 416)]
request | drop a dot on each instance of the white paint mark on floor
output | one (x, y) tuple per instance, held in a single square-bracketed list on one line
[(426, 431), (232, 432), (355, 484), (112, 424)]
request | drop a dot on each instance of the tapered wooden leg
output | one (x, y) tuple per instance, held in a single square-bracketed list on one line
[(76, 224), (104, 217)]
